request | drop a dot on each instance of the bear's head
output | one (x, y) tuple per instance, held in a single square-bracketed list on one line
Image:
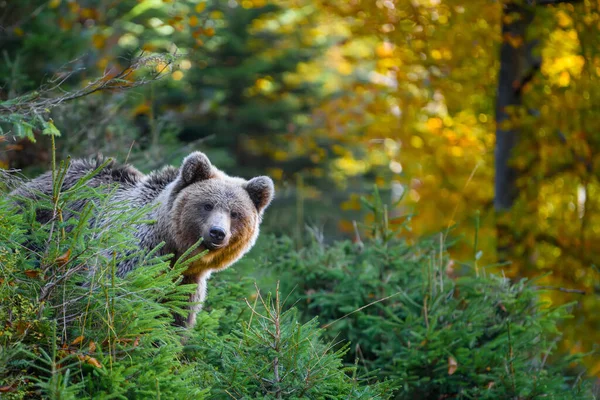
[(225, 212)]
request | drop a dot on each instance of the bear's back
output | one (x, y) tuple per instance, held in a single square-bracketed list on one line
[(109, 173)]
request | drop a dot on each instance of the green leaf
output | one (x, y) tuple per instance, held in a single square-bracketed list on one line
[(23, 129), (50, 129)]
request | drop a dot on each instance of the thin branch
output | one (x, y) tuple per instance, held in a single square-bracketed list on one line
[(360, 309), (42, 101), (560, 289), (547, 353), (552, 2), (11, 178)]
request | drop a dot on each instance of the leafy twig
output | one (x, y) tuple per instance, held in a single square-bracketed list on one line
[(31, 108)]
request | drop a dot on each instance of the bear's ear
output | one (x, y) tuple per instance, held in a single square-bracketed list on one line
[(195, 167), (261, 191)]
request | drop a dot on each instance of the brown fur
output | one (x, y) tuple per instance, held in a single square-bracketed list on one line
[(191, 202), (227, 195)]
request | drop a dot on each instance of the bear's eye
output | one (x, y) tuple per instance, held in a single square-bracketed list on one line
[(235, 214), (208, 207)]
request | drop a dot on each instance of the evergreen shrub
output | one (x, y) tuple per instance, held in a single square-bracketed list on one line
[(375, 319), (71, 328), (410, 321)]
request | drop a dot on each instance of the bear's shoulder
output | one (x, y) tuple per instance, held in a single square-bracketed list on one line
[(163, 177), (109, 171)]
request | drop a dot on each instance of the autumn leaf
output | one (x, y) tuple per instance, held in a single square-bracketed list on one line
[(515, 41), (398, 220), (452, 365), (93, 361), (89, 360), (77, 340), (32, 273), (22, 326), (64, 258), (7, 389)]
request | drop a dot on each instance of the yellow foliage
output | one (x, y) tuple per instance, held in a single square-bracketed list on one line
[(456, 151), (98, 41), (350, 166), (177, 75), (264, 84), (276, 173), (73, 7), (563, 19), (216, 14), (416, 142), (280, 155), (200, 7), (561, 58), (434, 124), (384, 50), (352, 204)]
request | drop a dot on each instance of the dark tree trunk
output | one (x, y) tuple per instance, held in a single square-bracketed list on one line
[(518, 65), (516, 68)]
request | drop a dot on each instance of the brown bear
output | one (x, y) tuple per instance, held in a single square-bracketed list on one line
[(193, 202)]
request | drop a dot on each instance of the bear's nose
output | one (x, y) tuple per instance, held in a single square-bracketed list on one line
[(217, 234)]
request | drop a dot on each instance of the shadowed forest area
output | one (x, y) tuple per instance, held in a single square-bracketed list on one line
[(435, 232)]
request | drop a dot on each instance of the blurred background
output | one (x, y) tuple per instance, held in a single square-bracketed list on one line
[(477, 119)]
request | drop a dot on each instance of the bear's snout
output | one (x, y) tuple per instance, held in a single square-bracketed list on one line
[(216, 232), (217, 235)]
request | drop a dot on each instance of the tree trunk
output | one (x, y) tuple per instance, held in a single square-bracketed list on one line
[(516, 67)]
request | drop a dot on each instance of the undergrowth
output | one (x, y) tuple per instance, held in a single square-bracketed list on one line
[(376, 319)]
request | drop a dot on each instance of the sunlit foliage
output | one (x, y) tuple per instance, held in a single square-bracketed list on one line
[(325, 94), (415, 102)]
